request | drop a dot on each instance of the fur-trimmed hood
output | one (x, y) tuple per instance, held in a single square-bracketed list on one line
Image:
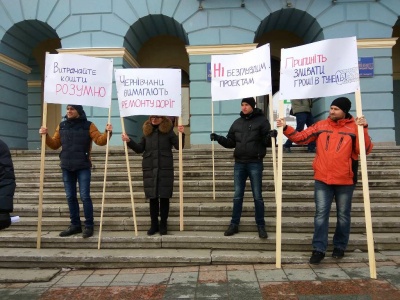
[(164, 127)]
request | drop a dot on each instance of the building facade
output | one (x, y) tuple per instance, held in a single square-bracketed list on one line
[(184, 34)]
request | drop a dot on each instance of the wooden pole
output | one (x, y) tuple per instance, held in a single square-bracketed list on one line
[(212, 148), (105, 179), (367, 205), (129, 178), (42, 158), (278, 191), (180, 178), (273, 140)]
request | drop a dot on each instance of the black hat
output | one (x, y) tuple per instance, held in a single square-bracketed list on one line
[(250, 101), (78, 108), (343, 103)]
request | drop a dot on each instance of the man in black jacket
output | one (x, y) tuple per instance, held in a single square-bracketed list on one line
[(249, 135), (7, 185)]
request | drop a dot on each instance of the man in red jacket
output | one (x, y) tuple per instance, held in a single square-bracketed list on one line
[(335, 172)]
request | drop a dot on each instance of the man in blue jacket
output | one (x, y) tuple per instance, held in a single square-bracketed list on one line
[(249, 135)]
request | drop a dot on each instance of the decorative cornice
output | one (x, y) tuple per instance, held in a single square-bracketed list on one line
[(14, 64), (376, 43), (35, 83), (103, 52), (241, 48), (219, 49)]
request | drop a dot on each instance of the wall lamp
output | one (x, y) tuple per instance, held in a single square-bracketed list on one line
[(243, 5), (200, 5)]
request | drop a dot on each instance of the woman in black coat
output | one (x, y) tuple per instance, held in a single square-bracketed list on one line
[(7, 185), (158, 166)]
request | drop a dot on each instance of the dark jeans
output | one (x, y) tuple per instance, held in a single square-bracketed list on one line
[(302, 119), (241, 172), (70, 179), (324, 195)]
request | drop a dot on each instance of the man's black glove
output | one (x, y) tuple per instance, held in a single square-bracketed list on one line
[(273, 133), (214, 137), (5, 220)]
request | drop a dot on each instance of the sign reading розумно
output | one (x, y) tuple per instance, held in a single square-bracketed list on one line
[(78, 79)]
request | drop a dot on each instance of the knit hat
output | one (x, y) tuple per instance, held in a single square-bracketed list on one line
[(250, 101), (78, 108), (343, 103)]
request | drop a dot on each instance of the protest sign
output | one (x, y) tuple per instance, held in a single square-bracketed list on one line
[(149, 92), (287, 105), (241, 75), (325, 68), (78, 79)]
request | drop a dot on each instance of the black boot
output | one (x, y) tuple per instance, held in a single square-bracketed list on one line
[(154, 209), (261, 232), (232, 229), (164, 211), (5, 220)]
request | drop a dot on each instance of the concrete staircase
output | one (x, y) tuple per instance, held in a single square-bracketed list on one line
[(205, 219)]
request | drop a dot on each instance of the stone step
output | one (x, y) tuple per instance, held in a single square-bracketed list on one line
[(205, 219), (196, 184), (207, 223), (145, 258), (186, 240), (205, 175), (378, 209), (198, 196)]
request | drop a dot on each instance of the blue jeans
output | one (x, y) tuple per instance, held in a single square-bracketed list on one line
[(302, 119), (70, 179), (254, 172), (324, 195)]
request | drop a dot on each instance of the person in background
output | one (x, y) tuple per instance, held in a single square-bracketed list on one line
[(249, 135), (158, 167), (302, 111), (75, 135), (335, 172), (7, 186)]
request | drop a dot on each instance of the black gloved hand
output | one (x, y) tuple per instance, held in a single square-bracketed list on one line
[(273, 133), (5, 220), (214, 136)]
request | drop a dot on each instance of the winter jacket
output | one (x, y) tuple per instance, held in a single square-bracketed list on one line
[(76, 136), (158, 162), (249, 135), (301, 105), (336, 159), (7, 179)]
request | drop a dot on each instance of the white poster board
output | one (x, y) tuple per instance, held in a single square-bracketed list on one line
[(241, 75), (320, 69), (78, 79), (149, 92)]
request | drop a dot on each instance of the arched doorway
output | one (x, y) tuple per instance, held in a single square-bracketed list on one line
[(285, 28), (23, 48), (161, 44)]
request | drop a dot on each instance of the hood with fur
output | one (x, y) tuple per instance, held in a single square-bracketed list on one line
[(164, 127)]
